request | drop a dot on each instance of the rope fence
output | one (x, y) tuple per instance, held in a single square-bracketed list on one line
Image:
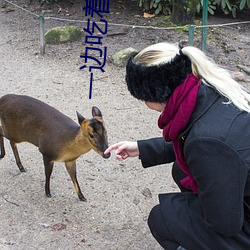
[(191, 28)]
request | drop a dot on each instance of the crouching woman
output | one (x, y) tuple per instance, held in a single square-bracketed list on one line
[(205, 120)]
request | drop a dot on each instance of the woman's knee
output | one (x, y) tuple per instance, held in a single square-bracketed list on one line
[(159, 229), (153, 218)]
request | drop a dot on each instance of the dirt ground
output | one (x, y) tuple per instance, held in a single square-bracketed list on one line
[(119, 195)]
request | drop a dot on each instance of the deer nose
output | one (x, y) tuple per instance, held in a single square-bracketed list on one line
[(106, 156)]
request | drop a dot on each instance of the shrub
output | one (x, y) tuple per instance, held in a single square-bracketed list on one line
[(227, 6), (157, 6)]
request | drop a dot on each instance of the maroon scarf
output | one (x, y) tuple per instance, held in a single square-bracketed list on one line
[(174, 119)]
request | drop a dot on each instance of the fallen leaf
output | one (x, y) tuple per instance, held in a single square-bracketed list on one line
[(148, 15)]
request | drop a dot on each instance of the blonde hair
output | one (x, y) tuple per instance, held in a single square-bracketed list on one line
[(202, 67)]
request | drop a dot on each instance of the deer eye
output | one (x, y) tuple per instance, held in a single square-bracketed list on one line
[(91, 136)]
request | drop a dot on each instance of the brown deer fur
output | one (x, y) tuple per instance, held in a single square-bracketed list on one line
[(59, 138)]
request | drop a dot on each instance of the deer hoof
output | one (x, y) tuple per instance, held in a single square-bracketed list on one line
[(48, 195), (82, 198)]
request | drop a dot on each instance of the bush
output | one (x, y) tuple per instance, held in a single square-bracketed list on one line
[(157, 6), (232, 6), (227, 6)]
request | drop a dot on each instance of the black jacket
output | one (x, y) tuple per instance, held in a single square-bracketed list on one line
[(216, 145)]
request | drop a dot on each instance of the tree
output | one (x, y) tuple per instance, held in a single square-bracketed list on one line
[(183, 11)]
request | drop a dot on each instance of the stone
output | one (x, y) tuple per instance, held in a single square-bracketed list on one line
[(147, 193), (63, 34), (239, 76), (121, 58)]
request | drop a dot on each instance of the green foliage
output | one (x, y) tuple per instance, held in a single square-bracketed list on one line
[(227, 6), (211, 7), (231, 6), (244, 4), (158, 6)]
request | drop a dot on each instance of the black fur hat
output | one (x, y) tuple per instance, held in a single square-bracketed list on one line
[(156, 83)]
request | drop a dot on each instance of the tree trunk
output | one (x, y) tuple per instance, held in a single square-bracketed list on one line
[(183, 11)]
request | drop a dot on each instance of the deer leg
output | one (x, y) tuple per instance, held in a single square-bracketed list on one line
[(48, 165), (71, 168), (1, 144), (18, 161)]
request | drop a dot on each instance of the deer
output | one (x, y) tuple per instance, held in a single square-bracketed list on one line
[(58, 138)]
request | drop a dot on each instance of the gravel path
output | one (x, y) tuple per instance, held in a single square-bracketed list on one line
[(119, 195)]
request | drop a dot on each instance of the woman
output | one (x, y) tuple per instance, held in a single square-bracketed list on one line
[(205, 118)]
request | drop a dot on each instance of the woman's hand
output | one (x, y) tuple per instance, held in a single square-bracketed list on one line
[(124, 150)]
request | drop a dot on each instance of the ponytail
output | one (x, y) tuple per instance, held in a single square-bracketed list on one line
[(218, 78)]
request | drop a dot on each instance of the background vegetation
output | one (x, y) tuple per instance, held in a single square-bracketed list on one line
[(226, 6), (165, 6)]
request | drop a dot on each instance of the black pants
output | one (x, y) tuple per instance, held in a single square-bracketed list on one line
[(156, 222)]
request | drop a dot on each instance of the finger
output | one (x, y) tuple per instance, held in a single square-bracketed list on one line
[(113, 147), (108, 150), (121, 157), (121, 150)]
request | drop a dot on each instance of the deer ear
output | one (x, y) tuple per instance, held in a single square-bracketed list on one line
[(96, 112), (80, 118)]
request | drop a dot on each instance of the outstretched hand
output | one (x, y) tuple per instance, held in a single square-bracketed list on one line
[(124, 150)]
